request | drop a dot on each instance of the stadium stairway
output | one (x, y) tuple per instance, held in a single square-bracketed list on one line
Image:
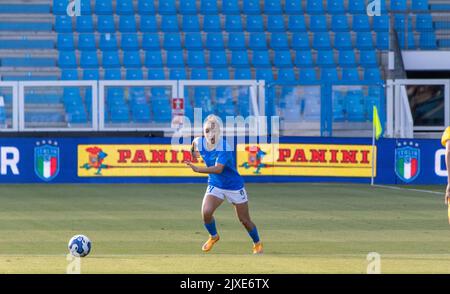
[(27, 41)]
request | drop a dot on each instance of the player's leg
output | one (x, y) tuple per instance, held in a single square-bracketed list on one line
[(209, 206), (243, 214)]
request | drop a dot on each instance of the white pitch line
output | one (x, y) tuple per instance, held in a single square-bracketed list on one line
[(407, 189)]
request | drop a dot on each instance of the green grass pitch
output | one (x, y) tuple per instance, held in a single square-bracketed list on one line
[(306, 228)]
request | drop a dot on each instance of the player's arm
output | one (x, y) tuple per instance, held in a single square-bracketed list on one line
[(447, 163), (216, 169)]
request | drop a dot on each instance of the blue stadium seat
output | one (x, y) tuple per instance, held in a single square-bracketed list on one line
[(172, 41), (230, 7), (279, 41), (368, 58), (91, 74), (63, 24), (84, 24), (214, 41), (264, 74), (370, 102), (115, 96), (251, 7), (131, 59), (177, 74), (282, 58), (381, 23), (69, 74), (134, 74), (329, 74), (372, 74), (211, 23), (85, 8), (124, 7), (103, 7), (233, 23), (296, 23), (153, 58), (321, 40), (86, 42), (169, 23), (188, 7), (120, 114), (300, 41), (364, 40), (196, 58), (146, 7), (314, 7), (275, 23), (151, 41), (89, 59), (407, 42), (357, 6), (193, 41), (335, 6), (236, 41), (350, 74), (191, 23), (338, 106), (261, 59), (67, 59), (108, 42), (60, 7), (339, 23), (175, 58), (221, 74), (148, 24), (361, 23), (65, 42), (129, 42), (343, 41), (217, 59), (243, 74), (113, 74), (424, 23), (419, 5), (127, 24), (105, 24), (427, 40), (239, 58), (304, 58), (156, 74), (325, 58), (257, 41), (401, 23), (167, 7), (293, 7), (199, 74), (272, 7), (286, 74), (308, 75), (208, 7), (355, 107), (255, 23), (398, 5), (318, 23), (110, 59), (347, 58), (383, 41), (141, 113)]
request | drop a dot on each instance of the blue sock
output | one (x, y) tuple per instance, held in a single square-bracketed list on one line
[(254, 235), (211, 227)]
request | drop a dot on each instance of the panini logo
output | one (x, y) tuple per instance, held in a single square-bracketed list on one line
[(305, 160)]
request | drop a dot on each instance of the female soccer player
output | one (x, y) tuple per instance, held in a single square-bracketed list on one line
[(223, 182), (445, 140)]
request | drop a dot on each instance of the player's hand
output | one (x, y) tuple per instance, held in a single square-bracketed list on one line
[(194, 168), (447, 194)]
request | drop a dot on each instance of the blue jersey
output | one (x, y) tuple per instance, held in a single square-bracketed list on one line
[(229, 179)]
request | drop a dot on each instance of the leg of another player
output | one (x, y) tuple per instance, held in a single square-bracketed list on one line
[(209, 206), (243, 214)]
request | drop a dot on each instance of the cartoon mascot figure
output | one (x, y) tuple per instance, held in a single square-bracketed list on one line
[(255, 156), (96, 157)]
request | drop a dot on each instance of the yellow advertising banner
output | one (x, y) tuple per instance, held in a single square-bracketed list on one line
[(305, 160), (145, 160)]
